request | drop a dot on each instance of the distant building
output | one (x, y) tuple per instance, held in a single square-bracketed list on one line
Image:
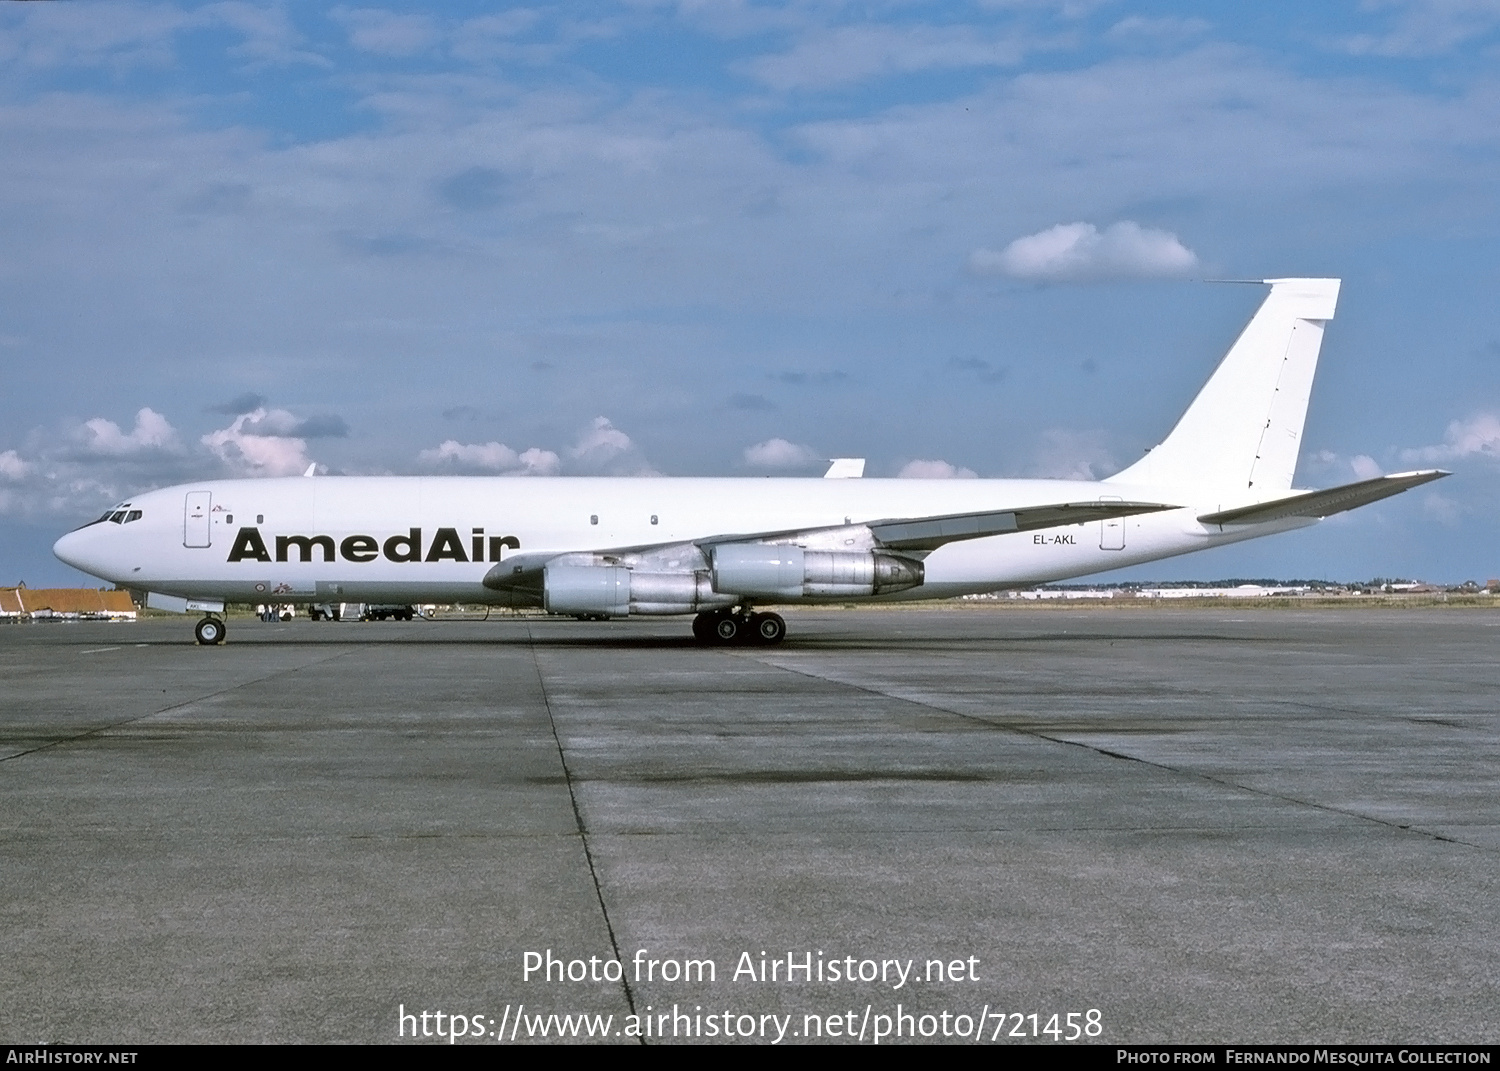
[(1241, 591), (65, 604)]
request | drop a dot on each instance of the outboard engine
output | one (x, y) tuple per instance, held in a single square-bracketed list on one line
[(586, 589)]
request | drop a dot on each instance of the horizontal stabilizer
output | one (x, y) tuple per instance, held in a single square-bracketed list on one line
[(1325, 503), (929, 533)]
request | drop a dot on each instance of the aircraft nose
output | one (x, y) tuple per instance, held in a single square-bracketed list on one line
[(73, 549)]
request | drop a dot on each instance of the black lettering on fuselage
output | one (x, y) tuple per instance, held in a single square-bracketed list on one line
[(304, 545), (412, 543), (360, 549), (447, 546), (248, 544)]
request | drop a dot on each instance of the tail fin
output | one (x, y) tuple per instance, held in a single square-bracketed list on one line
[(1244, 429)]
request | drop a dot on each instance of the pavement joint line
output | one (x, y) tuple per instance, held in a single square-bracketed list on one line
[(174, 706), (583, 835), (1209, 778)]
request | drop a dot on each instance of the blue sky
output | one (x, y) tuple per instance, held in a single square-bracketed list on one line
[(732, 238)]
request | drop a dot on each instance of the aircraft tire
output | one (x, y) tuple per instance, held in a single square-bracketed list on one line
[(767, 629), (703, 627), (728, 629), (209, 632)]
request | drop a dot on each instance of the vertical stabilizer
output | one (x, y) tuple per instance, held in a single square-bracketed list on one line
[(1244, 429)]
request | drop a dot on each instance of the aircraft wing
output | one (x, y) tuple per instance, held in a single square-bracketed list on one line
[(911, 535), (1325, 503), (929, 533)]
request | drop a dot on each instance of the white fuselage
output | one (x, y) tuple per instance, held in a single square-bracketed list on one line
[(310, 539)]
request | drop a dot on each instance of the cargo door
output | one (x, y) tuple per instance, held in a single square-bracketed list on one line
[(1111, 529), (195, 519)]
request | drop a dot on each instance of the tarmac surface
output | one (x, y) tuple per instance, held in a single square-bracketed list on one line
[(1199, 825)]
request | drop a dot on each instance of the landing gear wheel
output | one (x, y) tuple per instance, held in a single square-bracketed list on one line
[(703, 627), (728, 629), (210, 632), (767, 628)]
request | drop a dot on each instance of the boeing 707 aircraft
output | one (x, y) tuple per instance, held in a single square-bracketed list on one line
[(724, 549)]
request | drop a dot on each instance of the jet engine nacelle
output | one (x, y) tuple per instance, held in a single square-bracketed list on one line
[(615, 591), (768, 570)]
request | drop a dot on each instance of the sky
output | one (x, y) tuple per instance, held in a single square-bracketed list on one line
[(735, 238)]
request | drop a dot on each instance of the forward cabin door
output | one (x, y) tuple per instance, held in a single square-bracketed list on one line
[(195, 519)]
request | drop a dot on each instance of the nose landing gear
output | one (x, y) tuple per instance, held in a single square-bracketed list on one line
[(210, 632), (726, 626)]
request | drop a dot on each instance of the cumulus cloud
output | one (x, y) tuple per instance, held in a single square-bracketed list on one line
[(1080, 252), (779, 454), (1072, 455), (278, 423), (1334, 467), (1479, 436), (151, 432), (605, 450), (601, 450), (492, 457), (253, 446), (934, 470), (73, 471)]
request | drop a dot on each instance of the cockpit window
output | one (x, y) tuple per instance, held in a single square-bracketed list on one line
[(119, 514)]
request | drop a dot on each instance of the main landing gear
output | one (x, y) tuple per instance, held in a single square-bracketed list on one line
[(210, 632), (728, 626)]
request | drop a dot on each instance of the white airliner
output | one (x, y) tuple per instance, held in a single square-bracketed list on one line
[(723, 548)]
